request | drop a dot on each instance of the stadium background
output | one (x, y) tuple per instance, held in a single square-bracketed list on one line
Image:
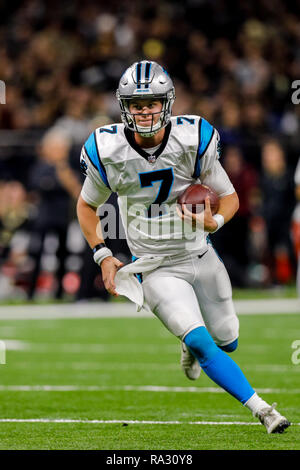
[(232, 62)]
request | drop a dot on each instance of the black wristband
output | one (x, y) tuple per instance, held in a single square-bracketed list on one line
[(98, 247)]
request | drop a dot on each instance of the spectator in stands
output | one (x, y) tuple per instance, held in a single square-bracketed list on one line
[(14, 214), (296, 225), (233, 242), (55, 185), (278, 202)]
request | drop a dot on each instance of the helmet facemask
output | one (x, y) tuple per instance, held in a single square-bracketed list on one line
[(129, 119)]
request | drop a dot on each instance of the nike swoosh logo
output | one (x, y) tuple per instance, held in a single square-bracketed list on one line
[(200, 256)]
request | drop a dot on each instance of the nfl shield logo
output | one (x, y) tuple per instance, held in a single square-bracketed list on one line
[(151, 159)]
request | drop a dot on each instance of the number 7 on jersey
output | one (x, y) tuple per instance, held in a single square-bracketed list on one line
[(166, 178)]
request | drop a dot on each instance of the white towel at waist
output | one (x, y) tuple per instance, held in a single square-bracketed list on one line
[(126, 282)]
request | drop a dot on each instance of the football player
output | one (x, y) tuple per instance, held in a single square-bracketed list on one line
[(149, 160)]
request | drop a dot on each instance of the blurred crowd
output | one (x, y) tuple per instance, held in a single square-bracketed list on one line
[(232, 62)]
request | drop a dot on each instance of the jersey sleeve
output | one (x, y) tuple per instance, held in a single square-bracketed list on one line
[(211, 155), (95, 191), (208, 148), (218, 179), (211, 171)]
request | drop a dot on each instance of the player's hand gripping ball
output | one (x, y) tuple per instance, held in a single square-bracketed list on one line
[(194, 198)]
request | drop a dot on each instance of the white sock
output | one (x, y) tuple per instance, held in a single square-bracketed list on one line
[(255, 404)]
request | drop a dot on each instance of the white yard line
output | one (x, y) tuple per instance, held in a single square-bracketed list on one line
[(132, 388), (15, 345), (128, 309), (97, 348), (267, 306), (107, 366), (72, 310), (125, 421), (111, 365), (116, 421)]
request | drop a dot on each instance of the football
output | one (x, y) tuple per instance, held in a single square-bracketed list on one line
[(194, 196)]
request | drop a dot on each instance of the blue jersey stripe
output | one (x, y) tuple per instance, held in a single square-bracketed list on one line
[(93, 154), (87, 154), (206, 133), (197, 169), (139, 276), (90, 148)]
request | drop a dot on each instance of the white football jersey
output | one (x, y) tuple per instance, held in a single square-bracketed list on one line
[(148, 185)]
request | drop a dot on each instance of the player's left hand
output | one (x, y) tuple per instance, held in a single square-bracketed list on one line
[(109, 268), (203, 220)]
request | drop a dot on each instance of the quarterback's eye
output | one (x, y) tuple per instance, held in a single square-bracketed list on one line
[(153, 105), (135, 107), (138, 107)]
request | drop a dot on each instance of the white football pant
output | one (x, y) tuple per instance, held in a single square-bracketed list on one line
[(191, 293)]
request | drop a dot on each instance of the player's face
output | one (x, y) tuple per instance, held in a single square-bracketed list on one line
[(146, 111)]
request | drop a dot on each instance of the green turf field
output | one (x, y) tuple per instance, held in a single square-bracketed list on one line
[(91, 372)]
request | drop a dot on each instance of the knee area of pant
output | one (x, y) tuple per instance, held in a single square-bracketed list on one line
[(230, 347), (201, 344)]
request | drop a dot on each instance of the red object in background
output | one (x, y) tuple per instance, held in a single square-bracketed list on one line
[(45, 282), (296, 237), (71, 282), (9, 269), (284, 272)]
